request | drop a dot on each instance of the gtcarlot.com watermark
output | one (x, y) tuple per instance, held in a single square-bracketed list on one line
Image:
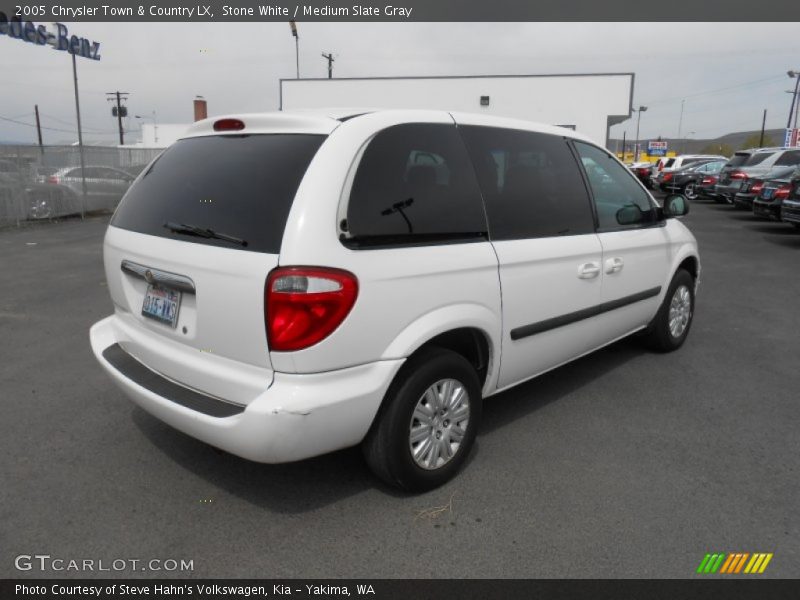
[(48, 563)]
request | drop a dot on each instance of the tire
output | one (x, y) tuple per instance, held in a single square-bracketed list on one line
[(40, 208), (670, 327), (388, 445), (690, 191)]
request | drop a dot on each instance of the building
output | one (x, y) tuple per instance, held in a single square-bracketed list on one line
[(590, 103)]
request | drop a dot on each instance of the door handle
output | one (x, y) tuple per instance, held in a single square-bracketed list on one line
[(614, 265), (588, 270)]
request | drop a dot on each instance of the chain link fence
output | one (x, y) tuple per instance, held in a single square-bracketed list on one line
[(48, 183)]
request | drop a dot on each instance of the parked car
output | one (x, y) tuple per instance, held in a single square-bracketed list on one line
[(105, 186), (773, 192), (288, 284), (686, 180), (752, 164), (751, 187), (643, 172), (790, 207)]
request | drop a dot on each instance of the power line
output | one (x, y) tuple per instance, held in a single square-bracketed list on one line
[(716, 91), (50, 128)]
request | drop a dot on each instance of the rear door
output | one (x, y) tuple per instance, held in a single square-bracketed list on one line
[(634, 243), (190, 246), (542, 229)]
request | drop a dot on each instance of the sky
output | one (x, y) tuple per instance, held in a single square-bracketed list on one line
[(725, 74)]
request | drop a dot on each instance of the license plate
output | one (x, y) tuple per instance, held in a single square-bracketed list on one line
[(767, 193), (161, 305)]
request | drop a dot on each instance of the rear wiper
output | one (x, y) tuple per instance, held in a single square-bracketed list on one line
[(203, 232)]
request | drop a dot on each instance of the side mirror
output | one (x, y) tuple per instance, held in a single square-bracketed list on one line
[(675, 205), (630, 215)]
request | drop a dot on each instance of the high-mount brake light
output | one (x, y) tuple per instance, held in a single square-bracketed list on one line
[(304, 305), (228, 125)]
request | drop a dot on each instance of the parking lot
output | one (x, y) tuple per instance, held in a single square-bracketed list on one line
[(623, 464)]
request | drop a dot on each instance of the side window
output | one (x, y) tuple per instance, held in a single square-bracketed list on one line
[(414, 182), (619, 199), (531, 183), (790, 157)]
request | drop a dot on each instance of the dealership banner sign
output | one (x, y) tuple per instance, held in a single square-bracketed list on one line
[(403, 10), (657, 148), (58, 36)]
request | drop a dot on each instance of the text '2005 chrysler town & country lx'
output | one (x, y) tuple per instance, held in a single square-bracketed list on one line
[(289, 284)]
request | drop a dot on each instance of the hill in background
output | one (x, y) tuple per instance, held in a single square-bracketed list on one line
[(726, 144)]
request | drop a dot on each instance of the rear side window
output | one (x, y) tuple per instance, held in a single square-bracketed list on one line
[(738, 159), (790, 157), (414, 184), (236, 185), (757, 158), (531, 183)]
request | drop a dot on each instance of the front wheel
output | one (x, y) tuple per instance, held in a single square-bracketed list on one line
[(690, 191), (670, 327), (427, 423)]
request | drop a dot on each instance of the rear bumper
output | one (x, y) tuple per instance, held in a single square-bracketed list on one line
[(768, 210), (744, 200), (294, 417), (790, 212)]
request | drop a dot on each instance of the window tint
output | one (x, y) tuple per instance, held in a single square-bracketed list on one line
[(414, 184), (238, 185), (619, 199), (531, 183), (790, 157), (738, 159), (669, 163), (757, 158)]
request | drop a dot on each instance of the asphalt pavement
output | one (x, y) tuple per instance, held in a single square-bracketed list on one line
[(625, 463)]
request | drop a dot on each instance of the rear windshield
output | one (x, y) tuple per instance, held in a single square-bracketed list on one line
[(239, 186), (757, 158), (738, 159)]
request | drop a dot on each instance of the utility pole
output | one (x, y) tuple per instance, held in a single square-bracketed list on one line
[(38, 127), (796, 75), (80, 136), (763, 125), (119, 111), (638, 120), (330, 59), (293, 26), (680, 119), (624, 133)]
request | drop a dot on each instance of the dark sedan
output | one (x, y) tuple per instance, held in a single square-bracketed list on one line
[(687, 180), (773, 192), (790, 207), (752, 187)]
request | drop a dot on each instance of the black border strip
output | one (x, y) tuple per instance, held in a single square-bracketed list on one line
[(579, 315), (138, 373)]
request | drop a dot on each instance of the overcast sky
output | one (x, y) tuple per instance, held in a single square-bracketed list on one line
[(726, 73)]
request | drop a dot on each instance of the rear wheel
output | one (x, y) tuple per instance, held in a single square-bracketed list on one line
[(40, 208), (428, 421), (672, 322), (690, 191)]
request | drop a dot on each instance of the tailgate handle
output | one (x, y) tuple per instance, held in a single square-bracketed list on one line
[(159, 277)]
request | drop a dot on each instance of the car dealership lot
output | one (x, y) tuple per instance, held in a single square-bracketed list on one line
[(622, 464)]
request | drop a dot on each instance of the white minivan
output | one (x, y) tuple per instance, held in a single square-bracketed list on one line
[(289, 284)]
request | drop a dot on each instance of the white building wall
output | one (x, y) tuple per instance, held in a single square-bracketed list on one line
[(585, 101)]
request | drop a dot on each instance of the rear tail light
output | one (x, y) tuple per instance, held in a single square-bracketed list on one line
[(53, 179), (643, 172), (304, 305), (667, 176), (738, 175), (783, 191), (757, 187)]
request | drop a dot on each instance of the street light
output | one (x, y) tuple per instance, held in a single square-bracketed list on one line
[(794, 75), (640, 110), (155, 125), (293, 25)]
